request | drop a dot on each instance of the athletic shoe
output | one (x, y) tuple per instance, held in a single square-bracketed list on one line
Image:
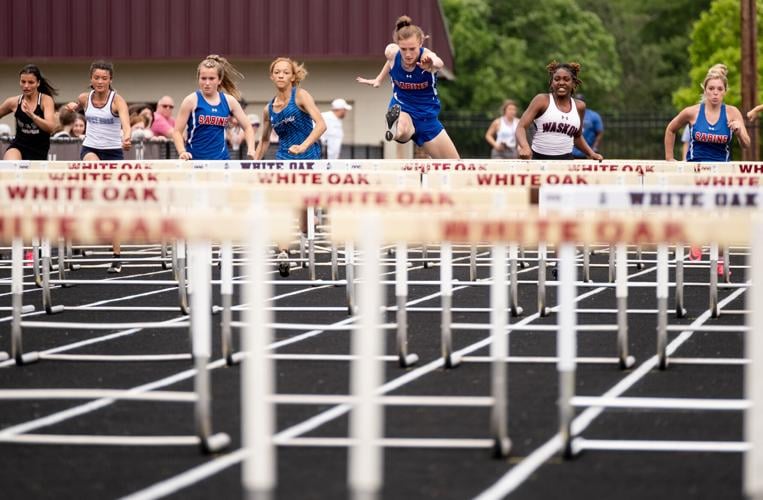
[(283, 264), (28, 256), (115, 267), (393, 113), (695, 253)]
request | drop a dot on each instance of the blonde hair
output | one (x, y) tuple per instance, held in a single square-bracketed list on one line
[(405, 29), (299, 71), (718, 71), (227, 73)]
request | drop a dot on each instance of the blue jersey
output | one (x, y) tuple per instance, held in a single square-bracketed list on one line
[(415, 91), (710, 142), (293, 126), (206, 129)]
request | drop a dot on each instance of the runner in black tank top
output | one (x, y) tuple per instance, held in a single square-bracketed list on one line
[(32, 142), (34, 114)]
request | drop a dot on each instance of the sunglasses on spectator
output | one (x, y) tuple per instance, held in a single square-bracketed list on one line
[(167, 105)]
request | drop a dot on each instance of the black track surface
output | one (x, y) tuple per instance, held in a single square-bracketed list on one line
[(84, 472)]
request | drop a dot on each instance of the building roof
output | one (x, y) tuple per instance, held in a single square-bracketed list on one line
[(34, 30)]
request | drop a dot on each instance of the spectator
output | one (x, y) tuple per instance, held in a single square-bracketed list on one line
[(164, 122), (72, 124), (593, 130), (139, 125), (334, 134), (685, 140), (501, 135), (234, 134)]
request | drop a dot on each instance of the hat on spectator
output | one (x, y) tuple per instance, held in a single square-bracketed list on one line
[(254, 119), (340, 104)]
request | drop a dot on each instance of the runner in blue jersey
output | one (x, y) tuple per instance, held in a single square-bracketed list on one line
[(713, 125), (204, 114), (296, 119), (293, 115), (414, 107)]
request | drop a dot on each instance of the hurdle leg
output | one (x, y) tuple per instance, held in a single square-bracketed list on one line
[(17, 292), (611, 272), (311, 242), (180, 275), (522, 259), (726, 265), (587, 263), (349, 273), (542, 309), (47, 298), (201, 333), (163, 255), (621, 291), (499, 352), (425, 256), (714, 310), (334, 263), (446, 296), (405, 359), (36, 262), (226, 296), (366, 457), (566, 344), (62, 261), (302, 249), (472, 263), (662, 305), (753, 376), (258, 470), (680, 309), (639, 256), (516, 310)]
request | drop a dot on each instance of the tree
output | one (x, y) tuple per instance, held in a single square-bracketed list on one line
[(716, 38)]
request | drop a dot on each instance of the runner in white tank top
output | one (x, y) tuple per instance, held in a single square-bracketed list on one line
[(556, 118), (501, 135), (104, 130)]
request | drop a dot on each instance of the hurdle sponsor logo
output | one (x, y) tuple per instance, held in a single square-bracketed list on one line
[(397, 199), (696, 199), (521, 179), (103, 176), (103, 165), (750, 168), (565, 230), (726, 180), (277, 165), (314, 178), (612, 167), (439, 166), (80, 193)]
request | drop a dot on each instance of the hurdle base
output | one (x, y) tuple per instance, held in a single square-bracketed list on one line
[(629, 362), (452, 361), (75, 267), (55, 309), (501, 448), (4, 356), (28, 358), (517, 311), (27, 308), (409, 360), (215, 443), (681, 312), (254, 494)]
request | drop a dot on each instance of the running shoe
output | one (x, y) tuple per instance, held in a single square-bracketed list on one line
[(283, 264), (695, 253), (115, 267), (393, 113)]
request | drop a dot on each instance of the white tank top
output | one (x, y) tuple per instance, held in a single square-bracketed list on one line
[(506, 134), (555, 131), (104, 130)]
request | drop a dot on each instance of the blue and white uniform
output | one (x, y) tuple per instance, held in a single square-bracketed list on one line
[(416, 93), (206, 129), (710, 142), (293, 126)]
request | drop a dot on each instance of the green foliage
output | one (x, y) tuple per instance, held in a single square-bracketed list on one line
[(501, 50), (716, 38)]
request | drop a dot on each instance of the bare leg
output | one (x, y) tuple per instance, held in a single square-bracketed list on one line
[(12, 154), (441, 147)]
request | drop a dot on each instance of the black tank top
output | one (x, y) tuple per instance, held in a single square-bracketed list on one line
[(30, 140)]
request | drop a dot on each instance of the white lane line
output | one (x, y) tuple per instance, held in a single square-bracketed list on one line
[(517, 475), (207, 469)]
